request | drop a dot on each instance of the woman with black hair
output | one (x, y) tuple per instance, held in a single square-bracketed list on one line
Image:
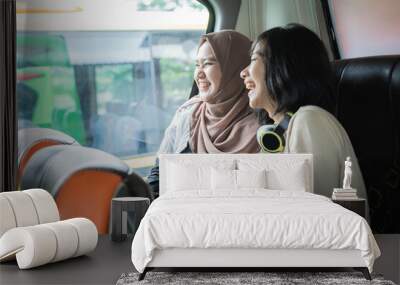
[(290, 78)]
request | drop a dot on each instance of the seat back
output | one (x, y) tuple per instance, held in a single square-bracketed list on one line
[(88, 193), (368, 106), (82, 180), (105, 128)]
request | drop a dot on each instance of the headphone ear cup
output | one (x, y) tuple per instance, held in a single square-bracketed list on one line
[(268, 139), (273, 142), (271, 137)]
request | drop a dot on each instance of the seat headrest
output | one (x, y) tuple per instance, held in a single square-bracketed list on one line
[(30, 136), (52, 166), (368, 106)]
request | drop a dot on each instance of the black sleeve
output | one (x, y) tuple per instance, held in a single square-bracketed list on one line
[(153, 179)]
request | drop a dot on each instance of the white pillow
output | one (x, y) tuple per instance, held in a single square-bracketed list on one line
[(281, 174), (223, 179), (226, 179), (251, 178), (186, 175), (294, 178)]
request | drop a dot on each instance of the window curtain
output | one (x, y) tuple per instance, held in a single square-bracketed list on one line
[(8, 118)]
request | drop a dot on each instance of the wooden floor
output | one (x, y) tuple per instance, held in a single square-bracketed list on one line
[(110, 260)]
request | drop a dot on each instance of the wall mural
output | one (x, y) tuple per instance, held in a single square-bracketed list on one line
[(113, 91)]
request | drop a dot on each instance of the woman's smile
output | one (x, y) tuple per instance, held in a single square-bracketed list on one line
[(203, 85), (207, 73), (251, 86)]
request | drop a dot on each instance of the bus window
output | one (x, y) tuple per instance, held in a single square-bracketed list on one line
[(109, 73)]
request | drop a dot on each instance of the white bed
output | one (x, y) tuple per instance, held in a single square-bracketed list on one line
[(247, 210)]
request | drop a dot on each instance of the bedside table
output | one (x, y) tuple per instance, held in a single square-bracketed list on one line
[(355, 205), (119, 215)]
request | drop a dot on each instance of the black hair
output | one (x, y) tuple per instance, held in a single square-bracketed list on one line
[(298, 71)]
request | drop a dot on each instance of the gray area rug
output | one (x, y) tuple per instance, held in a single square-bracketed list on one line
[(273, 278)]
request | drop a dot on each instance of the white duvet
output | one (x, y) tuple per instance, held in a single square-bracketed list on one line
[(250, 219)]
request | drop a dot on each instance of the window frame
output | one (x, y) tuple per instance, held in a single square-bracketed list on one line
[(8, 102), (330, 29)]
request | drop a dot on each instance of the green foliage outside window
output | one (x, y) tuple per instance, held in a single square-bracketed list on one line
[(168, 5)]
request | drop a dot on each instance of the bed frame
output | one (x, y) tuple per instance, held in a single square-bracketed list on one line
[(242, 259), (249, 259)]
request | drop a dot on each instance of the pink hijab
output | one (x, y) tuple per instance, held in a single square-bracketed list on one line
[(228, 126)]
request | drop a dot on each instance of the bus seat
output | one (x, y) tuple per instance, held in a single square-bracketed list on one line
[(119, 135), (134, 185), (30, 140), (368, 106), (82, 180)]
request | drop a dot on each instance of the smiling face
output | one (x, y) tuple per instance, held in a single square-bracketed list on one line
[(254, 79), (207, 73)]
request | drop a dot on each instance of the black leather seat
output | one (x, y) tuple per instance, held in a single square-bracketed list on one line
[(368, 106)]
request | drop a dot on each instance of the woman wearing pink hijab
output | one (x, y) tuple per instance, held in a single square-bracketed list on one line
[(219, 118)]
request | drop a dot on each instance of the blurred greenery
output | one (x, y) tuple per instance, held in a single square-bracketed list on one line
[(115, 82), (128, 88), (36, 49), (168, 5), (108, 76), (176, 78)]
